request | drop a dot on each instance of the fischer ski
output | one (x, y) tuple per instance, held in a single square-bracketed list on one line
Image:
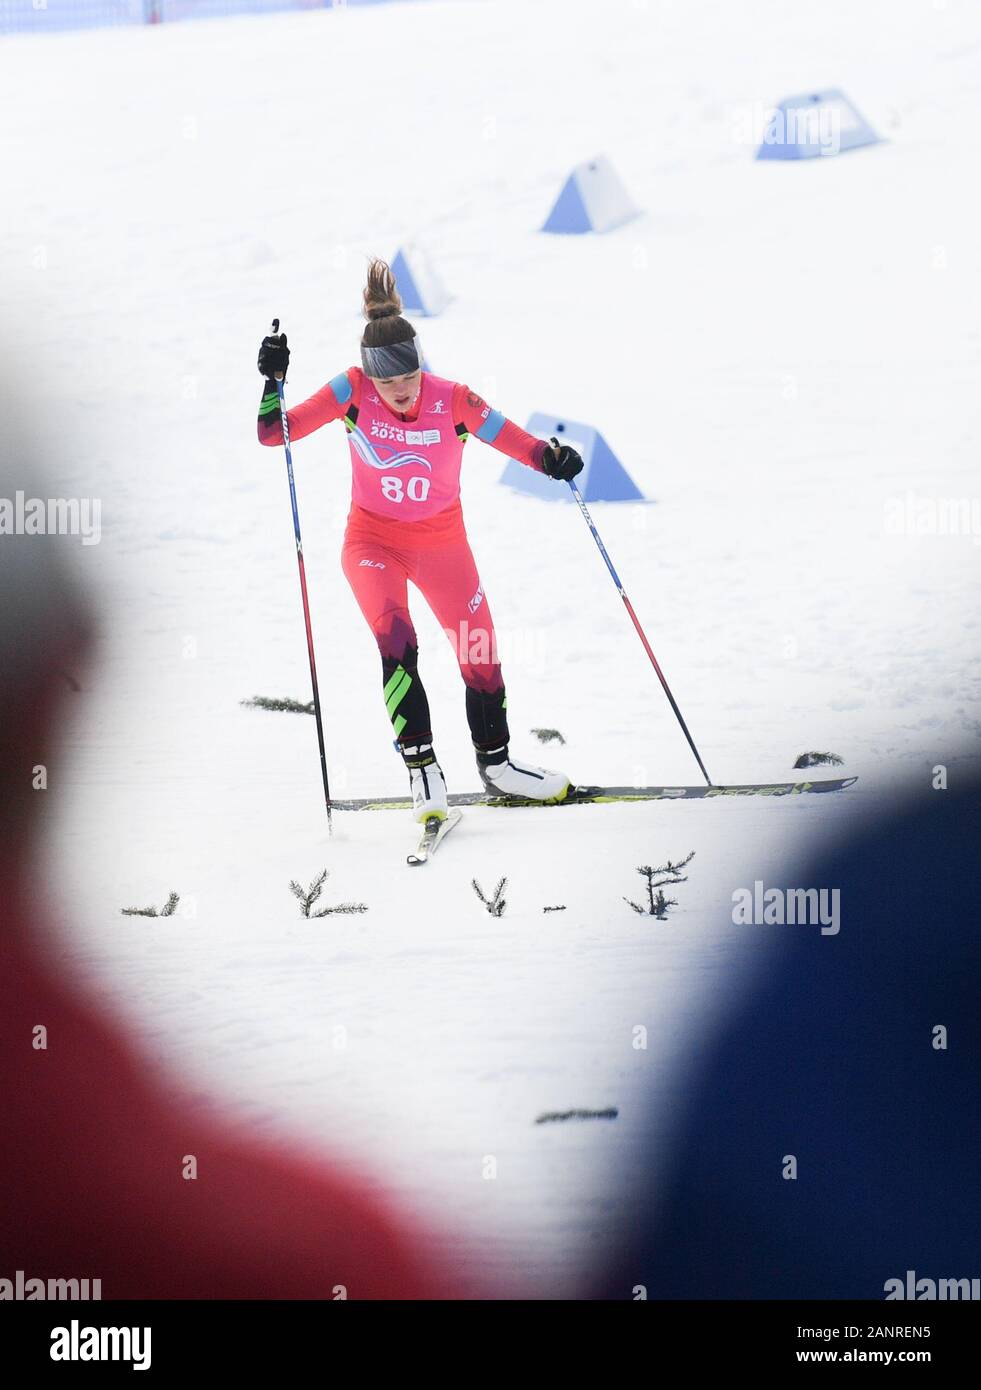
[(578, 796), (433, 835)]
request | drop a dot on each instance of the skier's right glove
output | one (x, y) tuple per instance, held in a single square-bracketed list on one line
[(274, 357)]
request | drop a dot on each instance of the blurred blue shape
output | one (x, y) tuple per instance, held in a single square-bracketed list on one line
[(833, 1056)]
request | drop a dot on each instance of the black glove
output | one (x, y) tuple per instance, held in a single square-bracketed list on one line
[(274, 356), (560, 461)]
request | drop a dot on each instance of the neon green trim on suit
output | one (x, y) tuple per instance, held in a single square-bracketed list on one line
[(394, 680), (396, 690)]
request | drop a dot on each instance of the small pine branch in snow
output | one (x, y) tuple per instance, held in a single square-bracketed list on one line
[(283, 703), (610, 1113), (496, 904), (168, 909), (548, 736), (559, 908), (665, 875), (813, 759), (308, 896)]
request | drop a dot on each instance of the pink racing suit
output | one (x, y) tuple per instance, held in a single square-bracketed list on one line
[(406, 526)]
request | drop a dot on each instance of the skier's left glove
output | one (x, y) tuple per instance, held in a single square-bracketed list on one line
[(560, 461)]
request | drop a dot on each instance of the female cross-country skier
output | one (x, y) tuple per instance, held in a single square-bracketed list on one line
[(406, 430)]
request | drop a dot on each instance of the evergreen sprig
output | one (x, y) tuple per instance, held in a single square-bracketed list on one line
[(814, 759), (665, 875), (610, 1113), (495, 905), (308, 896), (168, 909), (282, 703)]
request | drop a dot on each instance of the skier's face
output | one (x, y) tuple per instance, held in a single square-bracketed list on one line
[(398, 392)]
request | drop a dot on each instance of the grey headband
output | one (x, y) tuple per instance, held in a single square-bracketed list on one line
[(393, 359)]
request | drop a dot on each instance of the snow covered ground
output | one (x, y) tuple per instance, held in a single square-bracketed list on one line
[(777, 352)]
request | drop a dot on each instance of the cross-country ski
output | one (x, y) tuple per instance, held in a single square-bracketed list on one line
[(580, 796), (434, 833)]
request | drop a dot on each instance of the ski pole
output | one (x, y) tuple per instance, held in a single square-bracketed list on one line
[(633, 618), (303, 588)]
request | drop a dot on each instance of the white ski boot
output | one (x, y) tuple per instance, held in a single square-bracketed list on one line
[(426, 783), (503, 775)]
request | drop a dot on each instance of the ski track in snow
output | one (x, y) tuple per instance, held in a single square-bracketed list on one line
[(773, 351)]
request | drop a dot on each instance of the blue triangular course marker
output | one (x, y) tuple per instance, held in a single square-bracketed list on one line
[(603, 478), (418, 284), (815, 124), (569, 213), (592, 199)]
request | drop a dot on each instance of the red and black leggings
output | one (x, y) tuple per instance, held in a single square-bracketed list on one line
[(380, 557)]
